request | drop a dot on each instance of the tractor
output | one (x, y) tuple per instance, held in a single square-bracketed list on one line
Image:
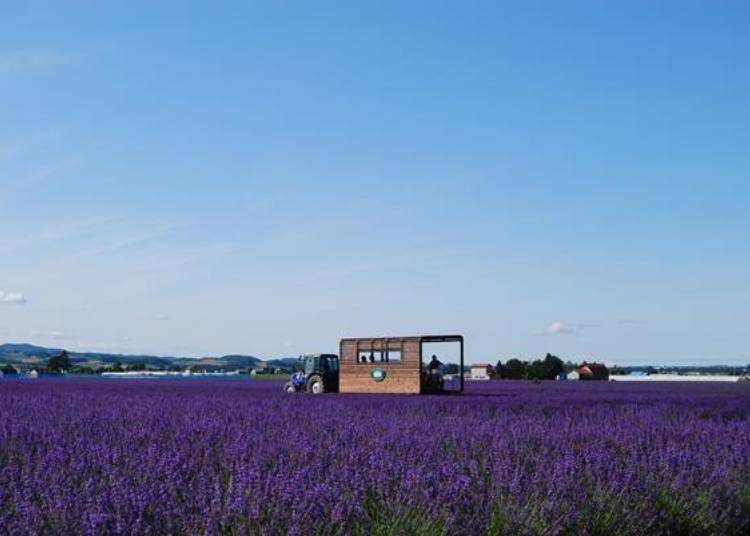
[(319, 374)]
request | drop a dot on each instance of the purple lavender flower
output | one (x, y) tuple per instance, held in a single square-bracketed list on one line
[(226, 457)]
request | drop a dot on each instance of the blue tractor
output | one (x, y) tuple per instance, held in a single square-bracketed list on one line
[(319, 374)]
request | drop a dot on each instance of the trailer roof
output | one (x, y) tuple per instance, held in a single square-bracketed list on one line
[(421, 338)]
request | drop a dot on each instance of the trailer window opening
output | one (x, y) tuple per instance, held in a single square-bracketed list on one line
[(374, 356), (393, 356)]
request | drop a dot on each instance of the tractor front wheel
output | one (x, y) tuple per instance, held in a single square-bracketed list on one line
[(315, 385), (289, 388)]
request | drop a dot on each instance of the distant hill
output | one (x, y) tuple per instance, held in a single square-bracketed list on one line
[(29, 355), (283, 362), (11, 349), (226, 362)]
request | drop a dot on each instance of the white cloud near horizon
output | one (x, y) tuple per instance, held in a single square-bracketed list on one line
[(12, 298)]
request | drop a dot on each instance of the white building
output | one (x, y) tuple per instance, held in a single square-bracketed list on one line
[(674, 378), (480, 371)]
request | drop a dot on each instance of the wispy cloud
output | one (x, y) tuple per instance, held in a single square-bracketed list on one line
[(33, 178), (12, 298), (51, 169), (76, 227), (26, 60), (136, 238), (13, 148), (54, 233)]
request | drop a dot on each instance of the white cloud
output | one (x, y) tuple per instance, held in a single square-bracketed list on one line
[(24, 60), (558, 327), (49, 170), (13, 298)]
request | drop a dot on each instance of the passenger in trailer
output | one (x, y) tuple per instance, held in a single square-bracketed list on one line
[(435, 369)]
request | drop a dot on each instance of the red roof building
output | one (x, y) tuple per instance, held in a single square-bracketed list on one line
[(593, 371)]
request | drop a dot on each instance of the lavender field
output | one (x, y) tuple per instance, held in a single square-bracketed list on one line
[(240, 457)]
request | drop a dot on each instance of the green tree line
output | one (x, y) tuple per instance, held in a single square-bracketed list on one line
[(541, 369)]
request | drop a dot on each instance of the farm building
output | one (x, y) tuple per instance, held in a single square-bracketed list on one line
[(563, 376), (592, 371), (481, 371), (391, 364)]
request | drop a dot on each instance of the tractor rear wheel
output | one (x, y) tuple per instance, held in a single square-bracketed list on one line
[(315, 385), (289, 388)]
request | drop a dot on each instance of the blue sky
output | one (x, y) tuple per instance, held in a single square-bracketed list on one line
[(262, 178)]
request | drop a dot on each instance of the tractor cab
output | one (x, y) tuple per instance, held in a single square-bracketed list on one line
[(319, 374)]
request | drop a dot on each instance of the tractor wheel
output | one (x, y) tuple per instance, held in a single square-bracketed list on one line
[(289, 388), (315, 385)]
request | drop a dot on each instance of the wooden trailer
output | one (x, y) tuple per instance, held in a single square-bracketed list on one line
[(388, 364)]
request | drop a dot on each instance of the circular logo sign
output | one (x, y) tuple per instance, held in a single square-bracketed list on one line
[(377, 374)]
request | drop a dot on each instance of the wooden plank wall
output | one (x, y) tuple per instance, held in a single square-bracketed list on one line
[(403, 377)]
